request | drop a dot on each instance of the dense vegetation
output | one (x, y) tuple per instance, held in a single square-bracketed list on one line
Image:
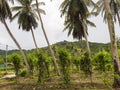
[(73, 62), (95, 47), (66, 65)]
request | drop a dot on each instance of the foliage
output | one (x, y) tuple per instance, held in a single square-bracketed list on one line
[(27, 16), (23, 73), (102, 61), (32, 61), (76, 61), (41, 67), (64, 58), (95, 47), (85, 64), (48, 62), (1, 75), (2, 61), (26, 12), (106, 81), (114, 6), (16, 59), (76, 12), (5, 11)]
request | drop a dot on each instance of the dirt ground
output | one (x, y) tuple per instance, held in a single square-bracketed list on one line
[(24, 85), (85, 86), (54, 83)]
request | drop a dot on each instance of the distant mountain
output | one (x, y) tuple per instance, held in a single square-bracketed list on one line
[(95, 47), (2, 52)]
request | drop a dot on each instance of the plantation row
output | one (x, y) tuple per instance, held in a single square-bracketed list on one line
[(41, 64)]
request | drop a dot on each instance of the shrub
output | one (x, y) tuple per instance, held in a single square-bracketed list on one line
[(64, 57), (102, 61), (76, 62), (85, 64), (32, 61), (16, 60), (23, 73), (41, 66)]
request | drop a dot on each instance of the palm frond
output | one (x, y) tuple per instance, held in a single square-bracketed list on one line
[(16, 8), (90, 23), (40, 11), (27, 15), (90, 3), (39, 3), (5, 11), (64, 7), (15, 16)]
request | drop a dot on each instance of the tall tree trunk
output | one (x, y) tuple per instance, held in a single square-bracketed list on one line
[(49, 46), (85, 35), (34, 40), (15, 41), (87, 44), (113, 44), (118, 18)]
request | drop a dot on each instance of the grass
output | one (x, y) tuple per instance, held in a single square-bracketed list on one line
[(78, 82)]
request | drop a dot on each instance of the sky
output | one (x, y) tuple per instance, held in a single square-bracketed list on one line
[(54, 26)]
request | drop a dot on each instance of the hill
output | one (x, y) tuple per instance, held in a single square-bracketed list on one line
[(95, 47)]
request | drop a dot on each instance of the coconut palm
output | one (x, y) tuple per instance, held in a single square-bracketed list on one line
[(76, 14), (114, 6), (26, 13), (104, 6), (5, 13), (49, 46)]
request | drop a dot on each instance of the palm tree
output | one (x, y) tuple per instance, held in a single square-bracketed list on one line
[(115, 8), (76, 14), (5, 13), (26, 14), (76, 21), (113, 42), (104, 6), (49, 46)]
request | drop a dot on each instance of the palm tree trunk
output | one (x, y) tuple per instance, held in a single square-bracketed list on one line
[(86, 39), (88, 46), (34, 40), (113, 44), (118, 18), (52, 53), (15, 41)]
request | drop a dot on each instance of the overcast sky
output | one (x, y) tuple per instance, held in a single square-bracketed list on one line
[(54, 26)]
